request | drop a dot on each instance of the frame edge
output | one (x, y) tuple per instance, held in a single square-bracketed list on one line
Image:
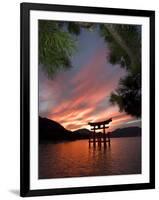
[(24, 106)]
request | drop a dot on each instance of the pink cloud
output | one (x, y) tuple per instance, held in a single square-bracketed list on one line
[(83, 97)]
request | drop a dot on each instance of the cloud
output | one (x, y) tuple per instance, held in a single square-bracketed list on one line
[(81, 94)]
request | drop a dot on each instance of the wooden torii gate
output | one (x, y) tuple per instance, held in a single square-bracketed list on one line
[(99, 137)]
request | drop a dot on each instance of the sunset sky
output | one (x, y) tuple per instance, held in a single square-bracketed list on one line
[(81, 94)]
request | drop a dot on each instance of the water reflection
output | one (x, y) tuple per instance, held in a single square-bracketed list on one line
[(102, 148), (77, 158)]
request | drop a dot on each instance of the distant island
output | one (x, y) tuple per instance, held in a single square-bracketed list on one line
[(51, 131)]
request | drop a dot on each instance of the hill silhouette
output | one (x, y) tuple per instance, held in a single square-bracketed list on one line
[(126, 132), (52, 131)]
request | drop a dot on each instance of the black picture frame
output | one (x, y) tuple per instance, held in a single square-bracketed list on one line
[(25, 190)]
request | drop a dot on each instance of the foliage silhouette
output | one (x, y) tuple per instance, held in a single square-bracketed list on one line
[(128, 95), (124, 42), (55, 46)]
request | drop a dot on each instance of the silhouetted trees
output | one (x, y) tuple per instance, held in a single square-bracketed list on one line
[(124, 42), (128, 95), (56, 46)]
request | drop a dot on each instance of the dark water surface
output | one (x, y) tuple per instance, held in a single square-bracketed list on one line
[(75, 158)]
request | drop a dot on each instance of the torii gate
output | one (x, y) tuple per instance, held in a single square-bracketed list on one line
[(99, 137)]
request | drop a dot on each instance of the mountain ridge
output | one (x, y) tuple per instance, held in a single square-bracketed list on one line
[(50, 130)]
